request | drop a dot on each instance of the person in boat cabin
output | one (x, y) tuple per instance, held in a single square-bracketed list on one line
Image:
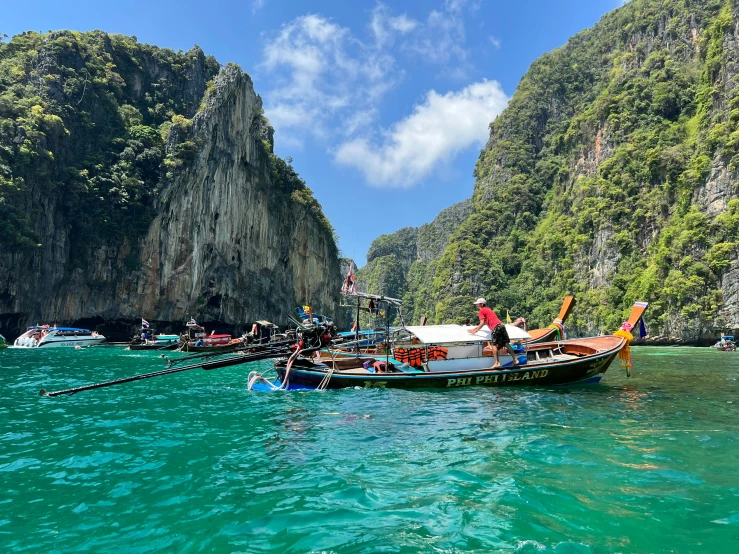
[(499, 336)]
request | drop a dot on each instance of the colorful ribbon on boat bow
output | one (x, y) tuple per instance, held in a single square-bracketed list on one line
[(559, 328), (625, 353)]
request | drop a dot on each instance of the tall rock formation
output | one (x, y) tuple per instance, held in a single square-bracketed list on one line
[(157, 193), (400, 264), (612, 175)]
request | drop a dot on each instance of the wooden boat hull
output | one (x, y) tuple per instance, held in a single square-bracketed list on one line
[(542, 335), (152, 347), (223, 349), (595, 356), (549, 334)]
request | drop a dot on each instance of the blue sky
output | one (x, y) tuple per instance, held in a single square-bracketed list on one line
[(383, 106)]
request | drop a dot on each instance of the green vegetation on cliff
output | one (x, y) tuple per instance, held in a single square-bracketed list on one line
[(87, 116), (611, 175), (400, 264), (103, 123)]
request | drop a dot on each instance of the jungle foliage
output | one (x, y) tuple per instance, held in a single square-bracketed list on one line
[(591, 180), (85, 117), (93, 127)]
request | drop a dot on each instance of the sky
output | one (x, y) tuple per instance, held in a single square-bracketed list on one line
[(382, 106)]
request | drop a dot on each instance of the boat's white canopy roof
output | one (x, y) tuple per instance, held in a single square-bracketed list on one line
[(439, 334), (268, 323)]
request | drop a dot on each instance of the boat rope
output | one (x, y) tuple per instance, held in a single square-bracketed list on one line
[(256, 377), (326, 378)]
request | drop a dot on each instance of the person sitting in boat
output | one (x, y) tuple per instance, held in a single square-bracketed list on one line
[(520, 323), (499, 336)]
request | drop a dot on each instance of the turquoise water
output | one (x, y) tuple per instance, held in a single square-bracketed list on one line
[(193, 462)]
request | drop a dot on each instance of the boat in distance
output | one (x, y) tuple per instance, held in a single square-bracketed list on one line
[(47, 336), (156, 342), (725, 344)]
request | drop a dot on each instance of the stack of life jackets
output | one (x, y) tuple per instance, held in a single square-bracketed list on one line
[(415, 357)]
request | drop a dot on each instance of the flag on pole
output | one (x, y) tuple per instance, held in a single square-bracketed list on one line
[(507, 317), (642, 328), (144, 323), (350, 283)]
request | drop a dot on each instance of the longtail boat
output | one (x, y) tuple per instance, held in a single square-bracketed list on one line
[(197, 340), (556, 330), (725, 344), (148, 339), (451, 358), (231, 346)]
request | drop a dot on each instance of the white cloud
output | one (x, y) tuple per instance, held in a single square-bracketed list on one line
[(328, 84), (455, 5), (322, 70), (384, 26), (495, 42), (434, 133), (359, 120), (314, 75), (257, 5), (441, 39)]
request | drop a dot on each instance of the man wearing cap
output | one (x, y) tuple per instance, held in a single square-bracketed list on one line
[(499, 336)]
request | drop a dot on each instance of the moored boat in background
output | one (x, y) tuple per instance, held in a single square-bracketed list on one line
[(197, 340), (48, 336), (725, 344), (155, 342)]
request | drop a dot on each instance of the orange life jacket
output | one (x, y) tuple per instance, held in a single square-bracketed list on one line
[(438, 353), (411, 356)]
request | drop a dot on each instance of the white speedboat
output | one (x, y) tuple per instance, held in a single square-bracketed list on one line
[(47, 336)]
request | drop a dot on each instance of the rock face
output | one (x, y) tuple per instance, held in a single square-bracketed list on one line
[(400, 263), (228, 240), (223, 244)]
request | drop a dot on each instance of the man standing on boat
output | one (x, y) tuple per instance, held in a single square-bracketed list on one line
[(499, 334)]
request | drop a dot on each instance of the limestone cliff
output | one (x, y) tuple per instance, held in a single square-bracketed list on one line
[(229, 232), (400, 264)]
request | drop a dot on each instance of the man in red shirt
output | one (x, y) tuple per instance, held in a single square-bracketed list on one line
[(499, 336)]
